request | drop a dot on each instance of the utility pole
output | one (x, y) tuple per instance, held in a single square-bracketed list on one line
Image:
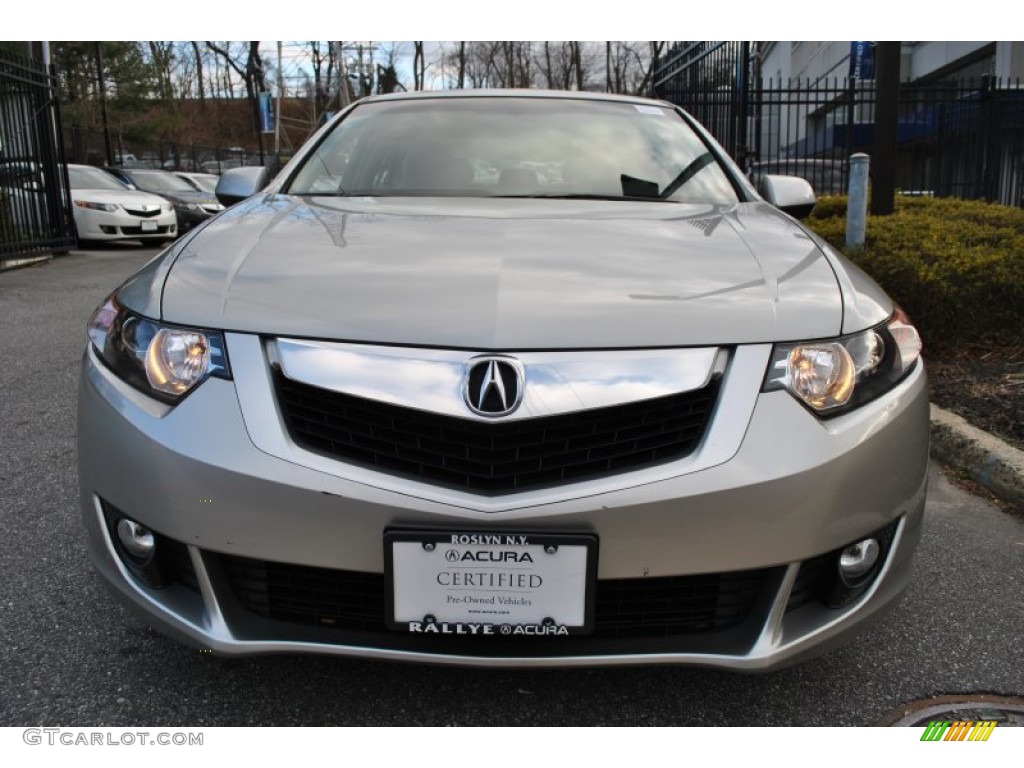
[(887, 94), (103, 104), (277, 112), (343, 99)]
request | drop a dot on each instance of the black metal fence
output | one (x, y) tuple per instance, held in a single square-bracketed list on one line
[(88, 147), (35, 207), (711, 81), (955, 139)]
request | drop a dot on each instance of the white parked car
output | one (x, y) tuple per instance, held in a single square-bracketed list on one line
[(106, 209)]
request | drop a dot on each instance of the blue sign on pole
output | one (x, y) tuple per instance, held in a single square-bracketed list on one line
[(862, 60), (266, 114)]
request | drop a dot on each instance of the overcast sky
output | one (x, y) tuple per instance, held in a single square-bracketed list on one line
[(521, 20)]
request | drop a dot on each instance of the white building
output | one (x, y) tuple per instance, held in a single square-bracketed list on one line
[(920, 61), (961, 114)]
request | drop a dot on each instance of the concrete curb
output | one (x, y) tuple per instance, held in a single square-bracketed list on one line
[(23, 261), (987, 460)]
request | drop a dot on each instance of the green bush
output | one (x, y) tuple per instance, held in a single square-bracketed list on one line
[(955, 266)]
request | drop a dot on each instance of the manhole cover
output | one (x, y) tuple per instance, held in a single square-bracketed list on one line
[(1003, 710)]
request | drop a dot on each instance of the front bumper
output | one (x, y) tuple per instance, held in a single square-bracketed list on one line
[(121, 225), (794, 489), (190, 218)]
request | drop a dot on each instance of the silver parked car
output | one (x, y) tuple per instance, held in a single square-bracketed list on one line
[(603, 404)]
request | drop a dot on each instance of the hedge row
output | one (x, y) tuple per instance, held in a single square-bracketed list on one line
[(955, 266)]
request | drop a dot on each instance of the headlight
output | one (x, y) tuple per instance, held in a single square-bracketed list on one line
[(163, 361), (188, 206), (96, 206), (832, 376), (167, 207)]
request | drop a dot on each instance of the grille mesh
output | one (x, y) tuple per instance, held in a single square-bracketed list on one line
[(495, 457), (633, 608)]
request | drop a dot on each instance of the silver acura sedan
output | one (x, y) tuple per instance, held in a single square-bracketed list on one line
[(505, 379)]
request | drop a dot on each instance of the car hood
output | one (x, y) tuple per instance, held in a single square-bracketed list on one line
[(117, 196), (186, 196), (508, 274)]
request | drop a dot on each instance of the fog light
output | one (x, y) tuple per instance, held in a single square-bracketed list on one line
[(137, 540), (857, 560)]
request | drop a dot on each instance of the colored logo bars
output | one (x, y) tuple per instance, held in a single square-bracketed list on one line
[(966, 730)]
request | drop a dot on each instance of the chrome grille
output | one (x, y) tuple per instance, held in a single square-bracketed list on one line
[(141, 213), (495, 457)]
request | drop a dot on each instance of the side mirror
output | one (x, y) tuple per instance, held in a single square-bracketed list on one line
[(237, 184), (791, 194)]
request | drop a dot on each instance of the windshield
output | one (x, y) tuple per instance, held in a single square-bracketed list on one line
[(156, 181), (204, 182), (515, 147), (93, 178)]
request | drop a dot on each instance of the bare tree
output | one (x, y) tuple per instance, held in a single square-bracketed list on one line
[(419, 66), (199, 75), (563, 65), (323, 57), (492, 64), (523, 65), (387, 71), (252, 73), (577, 63), (654, 53), (162, 56), (608, 66), (628, 65)]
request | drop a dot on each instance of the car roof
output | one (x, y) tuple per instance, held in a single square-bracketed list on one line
[(531, 93)]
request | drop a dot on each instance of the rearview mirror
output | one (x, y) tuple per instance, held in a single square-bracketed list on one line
[(791, 194), (237, 184)]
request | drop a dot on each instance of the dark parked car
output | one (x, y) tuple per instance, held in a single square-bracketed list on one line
[(201, 182), (191, 206)]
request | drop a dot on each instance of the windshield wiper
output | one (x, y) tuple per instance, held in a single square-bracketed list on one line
[(587, 196), (325, 193), (686, 174)]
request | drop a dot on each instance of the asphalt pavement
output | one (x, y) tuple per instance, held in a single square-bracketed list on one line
[(71, 656)]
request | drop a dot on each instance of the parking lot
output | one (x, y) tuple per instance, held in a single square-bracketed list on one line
[(71, 655)]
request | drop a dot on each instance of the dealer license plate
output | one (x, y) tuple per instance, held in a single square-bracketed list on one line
[(490, 584), (149, 226)]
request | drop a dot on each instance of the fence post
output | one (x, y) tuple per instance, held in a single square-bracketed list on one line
[(857, 204), (887, 100)]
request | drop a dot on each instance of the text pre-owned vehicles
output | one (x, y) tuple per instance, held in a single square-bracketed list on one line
[(106, 209), (191, 206), (601, 404)]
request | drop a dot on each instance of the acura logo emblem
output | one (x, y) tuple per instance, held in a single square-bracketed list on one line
[(493, 386)]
